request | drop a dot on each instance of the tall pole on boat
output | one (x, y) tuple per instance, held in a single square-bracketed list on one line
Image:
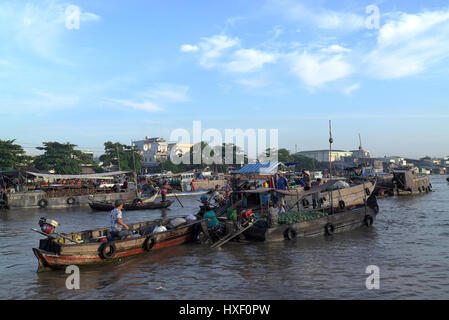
[(331, 140), (135, 171)]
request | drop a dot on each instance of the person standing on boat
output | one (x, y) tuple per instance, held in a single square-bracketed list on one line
[(282, 184), (164, 189), (306, 179), (118, 228)]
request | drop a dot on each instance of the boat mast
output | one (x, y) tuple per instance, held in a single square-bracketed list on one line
[(331, 140)]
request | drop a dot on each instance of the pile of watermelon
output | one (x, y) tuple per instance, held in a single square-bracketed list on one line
[(295, 217)]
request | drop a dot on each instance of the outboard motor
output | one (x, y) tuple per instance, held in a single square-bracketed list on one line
[(47, 226)]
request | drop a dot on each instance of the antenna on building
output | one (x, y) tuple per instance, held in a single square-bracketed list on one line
[(360, 139)]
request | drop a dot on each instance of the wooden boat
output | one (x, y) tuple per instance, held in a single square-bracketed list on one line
[(403, 182), (315, 224), (105, 206), (189, 193), (84, 248), (343, 198)]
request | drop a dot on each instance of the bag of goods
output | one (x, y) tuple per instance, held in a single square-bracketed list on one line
[(191, 218), (159, 229), (177, 222), (231, 214)]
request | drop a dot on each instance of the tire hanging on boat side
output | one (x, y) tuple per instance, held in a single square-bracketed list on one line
[(43, 203), (149, 243), (290, 234), (329, 229), (70, 200), (103, 250), (368, 221)]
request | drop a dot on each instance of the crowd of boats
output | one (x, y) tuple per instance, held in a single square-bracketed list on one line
[(250, 205)]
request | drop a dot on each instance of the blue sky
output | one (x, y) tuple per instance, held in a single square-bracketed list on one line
[(143, 68)]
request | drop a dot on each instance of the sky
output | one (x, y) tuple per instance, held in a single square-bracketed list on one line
[(87, 72)]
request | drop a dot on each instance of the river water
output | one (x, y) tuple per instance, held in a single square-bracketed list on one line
[(409, 243)]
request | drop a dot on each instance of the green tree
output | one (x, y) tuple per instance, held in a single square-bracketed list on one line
[(129, 156), (62, 158), (11, 155), (303, 162)]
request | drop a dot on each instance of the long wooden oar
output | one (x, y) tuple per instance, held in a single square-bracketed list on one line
[(174, 193), (58, 234)]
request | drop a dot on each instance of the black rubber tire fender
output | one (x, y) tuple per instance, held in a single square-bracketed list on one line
[(329, 229), (341, 205), (107, 250), (368, 220), (368, 192), (43, 203), (305, 203), (290, 234), (70, 200), (149, 243)]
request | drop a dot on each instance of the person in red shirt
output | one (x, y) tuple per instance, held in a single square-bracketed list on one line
[(164, 189)]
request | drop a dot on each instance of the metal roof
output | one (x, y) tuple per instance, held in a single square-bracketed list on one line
[(267, 168)]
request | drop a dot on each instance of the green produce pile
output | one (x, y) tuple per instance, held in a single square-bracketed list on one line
[(295, 217)]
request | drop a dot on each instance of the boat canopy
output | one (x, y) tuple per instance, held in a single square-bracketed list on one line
[(268, 168), (105, 175)]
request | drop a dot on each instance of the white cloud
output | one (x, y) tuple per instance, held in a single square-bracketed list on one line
[(37, 29), (189, 48), (409, 44), (252, 83), (37, 102), (316, 17), (317, 69), (167, 93), (212, 48), (336, 49), (144, 106), (249, 60), (348, 91)]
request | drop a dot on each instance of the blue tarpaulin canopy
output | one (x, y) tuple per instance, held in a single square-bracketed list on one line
[(267, 168)]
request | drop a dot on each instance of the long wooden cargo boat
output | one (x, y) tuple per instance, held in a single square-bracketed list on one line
[(341, 198), (104, 206), (403, 182), (314, 224), (86, 248)]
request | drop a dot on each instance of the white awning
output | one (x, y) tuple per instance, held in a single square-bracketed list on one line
[(105, 175)]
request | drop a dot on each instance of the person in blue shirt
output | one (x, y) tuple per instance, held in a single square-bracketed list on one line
[(282, 184)]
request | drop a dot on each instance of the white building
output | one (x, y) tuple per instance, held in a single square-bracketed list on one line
[(325, 155), (152, 150)]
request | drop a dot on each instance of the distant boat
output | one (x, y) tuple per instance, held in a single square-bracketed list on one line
[(104, 206)]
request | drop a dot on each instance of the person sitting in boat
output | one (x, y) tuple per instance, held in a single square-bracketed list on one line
[(215, 228), (204, 207), (118, 228)]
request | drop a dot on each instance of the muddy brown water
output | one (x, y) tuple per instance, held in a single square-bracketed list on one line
[(409, 243)]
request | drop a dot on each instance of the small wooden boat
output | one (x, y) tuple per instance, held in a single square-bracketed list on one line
[(189, 193), (105, 206), (91, 247), (314, 223)]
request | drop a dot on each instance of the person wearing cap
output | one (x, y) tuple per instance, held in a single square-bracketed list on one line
[(118, 228), (204, 207)]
